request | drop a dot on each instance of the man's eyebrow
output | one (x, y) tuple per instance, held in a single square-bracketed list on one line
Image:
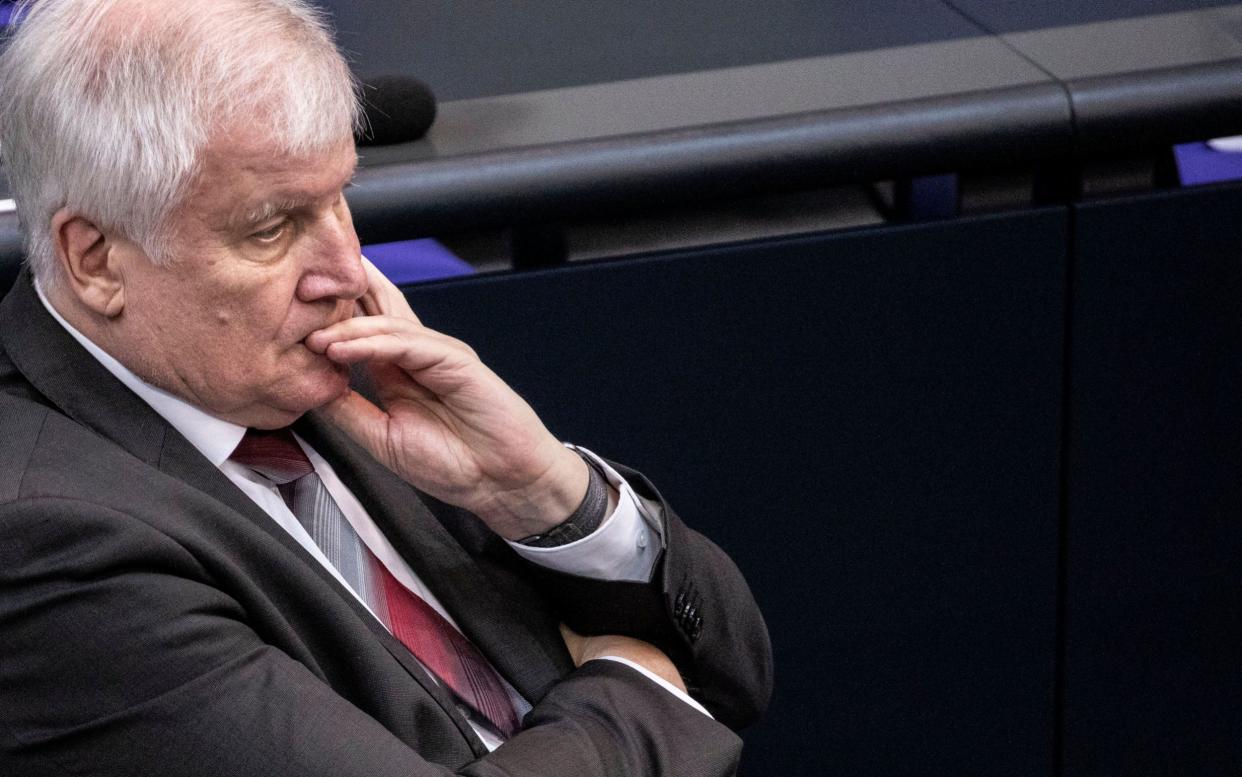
[(270, 209)]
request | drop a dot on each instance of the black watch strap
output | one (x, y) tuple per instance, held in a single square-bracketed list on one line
[(583, 521)]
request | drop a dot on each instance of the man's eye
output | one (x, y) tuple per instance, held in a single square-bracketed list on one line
[(270, 234)]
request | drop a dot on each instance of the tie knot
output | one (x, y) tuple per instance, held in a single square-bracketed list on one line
[(274, 454)]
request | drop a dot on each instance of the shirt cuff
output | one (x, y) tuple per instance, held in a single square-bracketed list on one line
[(624, 548), (665, 684)]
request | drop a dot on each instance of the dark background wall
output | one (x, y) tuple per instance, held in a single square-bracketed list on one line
[(982, 473), (869, 423), (1153, 587)]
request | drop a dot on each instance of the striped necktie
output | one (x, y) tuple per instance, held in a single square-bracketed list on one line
[(434, 641)]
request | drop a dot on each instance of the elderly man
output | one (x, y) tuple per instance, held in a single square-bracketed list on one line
[(216, 557)]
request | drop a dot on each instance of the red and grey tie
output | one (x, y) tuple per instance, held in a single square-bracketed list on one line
[(441, 648)]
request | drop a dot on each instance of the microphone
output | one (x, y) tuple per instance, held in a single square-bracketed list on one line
[(398, 109)]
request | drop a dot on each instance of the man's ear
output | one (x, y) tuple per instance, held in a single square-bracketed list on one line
[(90, 261)]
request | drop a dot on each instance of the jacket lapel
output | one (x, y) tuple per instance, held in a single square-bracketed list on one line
[(182, 461)]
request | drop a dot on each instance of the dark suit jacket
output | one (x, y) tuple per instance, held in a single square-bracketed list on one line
[(154, 621)]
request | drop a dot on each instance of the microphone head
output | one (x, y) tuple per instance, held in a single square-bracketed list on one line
[(398, 109)]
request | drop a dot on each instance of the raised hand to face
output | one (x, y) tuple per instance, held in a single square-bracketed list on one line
[(448, 425)]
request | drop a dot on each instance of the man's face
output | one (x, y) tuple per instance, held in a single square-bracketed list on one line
[(263, 253)]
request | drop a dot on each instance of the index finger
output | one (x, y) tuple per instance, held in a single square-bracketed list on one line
[(382, 297)]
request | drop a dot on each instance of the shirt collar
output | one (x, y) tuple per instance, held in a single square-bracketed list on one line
[(214, 437)]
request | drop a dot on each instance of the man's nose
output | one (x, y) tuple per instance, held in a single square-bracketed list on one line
[(335, 270)]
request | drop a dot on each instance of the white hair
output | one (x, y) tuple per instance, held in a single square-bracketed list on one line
[(107, 105)]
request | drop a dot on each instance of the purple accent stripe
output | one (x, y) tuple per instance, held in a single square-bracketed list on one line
[(1199, 163), (409, 261)]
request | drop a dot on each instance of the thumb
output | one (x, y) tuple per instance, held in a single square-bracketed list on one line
[(364, 422)]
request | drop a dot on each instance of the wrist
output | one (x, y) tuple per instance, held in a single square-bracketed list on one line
[(544, 504), (595, 507)]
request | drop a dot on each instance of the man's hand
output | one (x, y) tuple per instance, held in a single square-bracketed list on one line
[(449, 425), (649, 657)]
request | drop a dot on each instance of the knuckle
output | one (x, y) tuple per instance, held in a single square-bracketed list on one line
[(464, 349)]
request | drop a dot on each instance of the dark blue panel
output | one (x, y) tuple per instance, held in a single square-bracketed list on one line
[(475, 48), (868, 422), (1154, 615), (1004, 16)]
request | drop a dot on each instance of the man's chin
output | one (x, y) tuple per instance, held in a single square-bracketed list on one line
[(299, 395), (326, 386), (336, 391)]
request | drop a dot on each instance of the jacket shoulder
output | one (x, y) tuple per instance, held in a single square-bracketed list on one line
[(45, 453)]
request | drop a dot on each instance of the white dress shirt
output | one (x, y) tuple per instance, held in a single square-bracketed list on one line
[(625, 547)]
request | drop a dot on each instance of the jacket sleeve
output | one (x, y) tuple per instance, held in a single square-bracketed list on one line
[(120, 655), (697, 608)]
